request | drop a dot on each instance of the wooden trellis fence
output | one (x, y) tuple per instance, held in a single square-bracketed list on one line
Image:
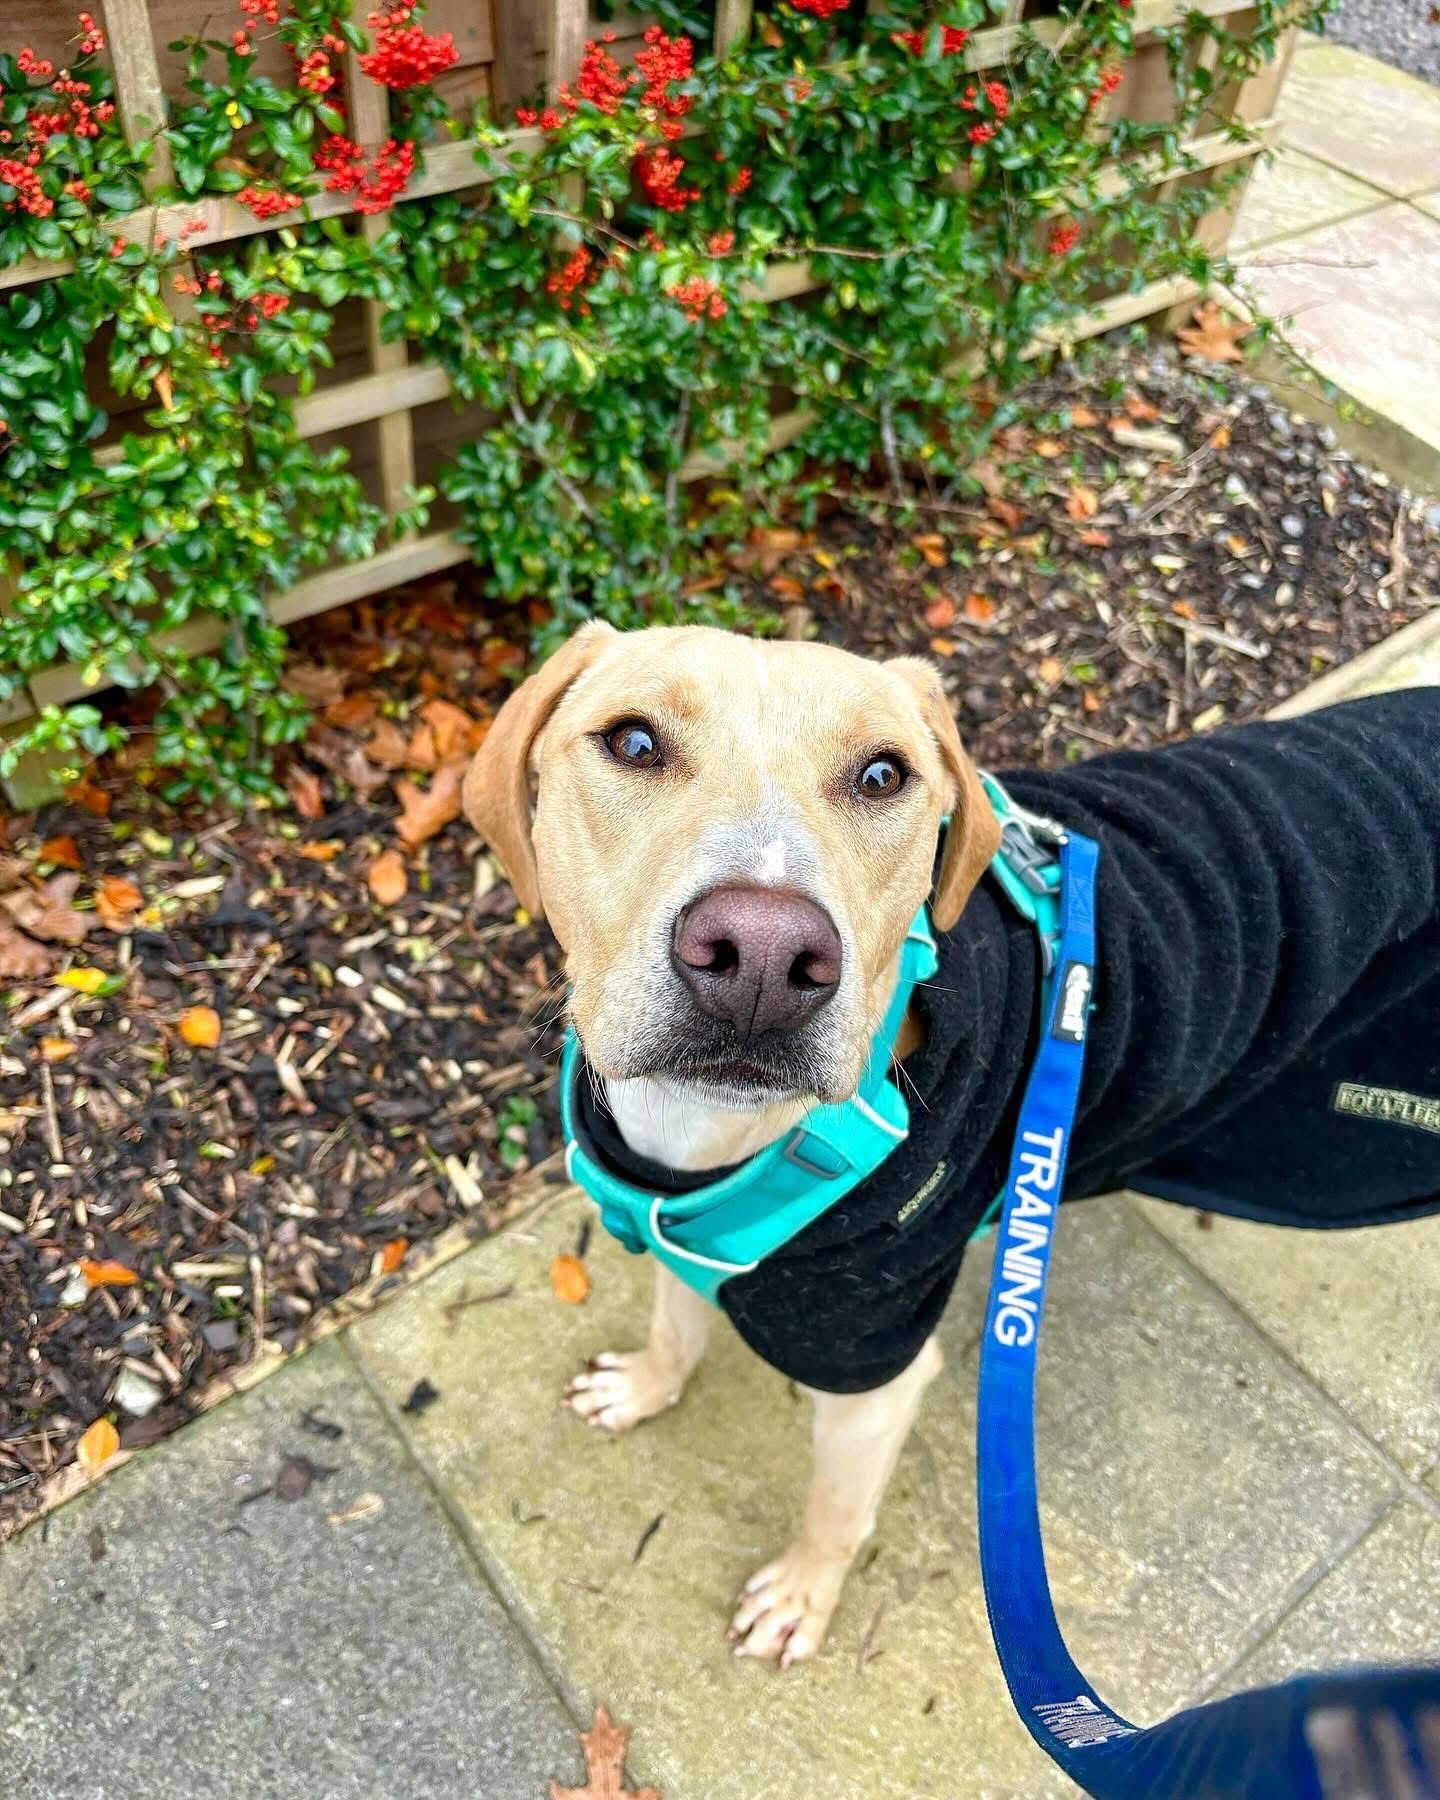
[(384, 401)]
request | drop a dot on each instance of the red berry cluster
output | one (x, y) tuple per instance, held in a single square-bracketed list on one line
[(604, 84), (659, 172), (375, 188), (998, 97), (952, 40), (1063, 238), (698, 299), (315, 74), (663, 61), (268, 203), (721, 243), (30, 197), (256, 12), (29, 63), (564, 283), (79, 119), (1110, 79), (404, 55), (822, 9), (92, 38), (740, 183)]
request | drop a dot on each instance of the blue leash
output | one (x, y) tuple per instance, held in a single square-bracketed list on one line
[(1366, 1736)]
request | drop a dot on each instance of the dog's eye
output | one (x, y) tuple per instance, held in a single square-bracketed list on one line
[(884, 776), (633, 742)]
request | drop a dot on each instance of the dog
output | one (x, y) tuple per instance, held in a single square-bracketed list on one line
[(731, 839)]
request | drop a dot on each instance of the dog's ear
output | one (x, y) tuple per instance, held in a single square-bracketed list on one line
[(496, 794), (974, 833)]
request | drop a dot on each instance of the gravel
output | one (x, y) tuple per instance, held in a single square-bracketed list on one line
[(1405, 33)]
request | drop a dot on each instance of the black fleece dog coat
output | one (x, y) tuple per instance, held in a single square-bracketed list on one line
[(1266, 1039)]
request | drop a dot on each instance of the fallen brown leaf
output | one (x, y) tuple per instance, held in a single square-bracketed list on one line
[(323, 852), (452, 726), (393, 1255), (387, 745), (979, 608), (55, 1050), (1082, 502), (115, 900), (46, 913), (1009, 515), (786, 587), (603, 1747), (200, 1026), (781, 538), (304, 789), (940, 613), (345, 759), (1050, 670), (107, 1273), (315, 683), (1213, 336), (570, 1279), (497, 656), (352, 712), (1049, 448), (98, 1444), (987, 472), (86, 794), (1095, 537), (387, 879), (1183, 609), (1219, 438), (932, 547), (63, 852), (426, 811), (942, 646), (1139, 408), (420, 752), (1082, 418)]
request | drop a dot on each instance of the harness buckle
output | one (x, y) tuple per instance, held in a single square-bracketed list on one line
[(1032, 863)]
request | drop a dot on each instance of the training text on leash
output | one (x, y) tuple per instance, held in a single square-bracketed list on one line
[(1027, 1235)]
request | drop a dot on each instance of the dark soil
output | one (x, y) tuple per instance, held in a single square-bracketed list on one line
[(1159, 553)]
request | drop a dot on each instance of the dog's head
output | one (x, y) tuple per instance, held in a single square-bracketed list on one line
[(730, 839)]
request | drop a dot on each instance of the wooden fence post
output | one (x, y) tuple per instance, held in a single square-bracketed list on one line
[(370, 127)]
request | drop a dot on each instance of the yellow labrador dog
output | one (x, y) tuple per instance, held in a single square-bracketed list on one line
[(784, 801), (732, 841)]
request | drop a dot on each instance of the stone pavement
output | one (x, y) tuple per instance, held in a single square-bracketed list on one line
[(1240, 1470), (1341, 233)]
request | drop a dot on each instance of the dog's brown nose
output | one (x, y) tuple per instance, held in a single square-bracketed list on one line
[(765, 961)]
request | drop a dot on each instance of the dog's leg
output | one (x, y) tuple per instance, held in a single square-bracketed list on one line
[(619, 1389), (785, 1610)]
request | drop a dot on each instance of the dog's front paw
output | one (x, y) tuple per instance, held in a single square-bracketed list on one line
[(617, 1390), (785, 1609)]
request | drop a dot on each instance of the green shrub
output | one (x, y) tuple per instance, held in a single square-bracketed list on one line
[(601, 295)]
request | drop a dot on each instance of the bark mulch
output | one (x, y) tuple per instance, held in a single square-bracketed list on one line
[(242, 1072)]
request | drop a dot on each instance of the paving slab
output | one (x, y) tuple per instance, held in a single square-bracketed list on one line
[(164, 1640), (1355, 1309), (1291, 192), (1190, 1480), (1428, 203), (1362, 116), (1363, 299), (1379, 1606)]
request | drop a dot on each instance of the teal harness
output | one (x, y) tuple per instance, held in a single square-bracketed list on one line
[(730, 1226)]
